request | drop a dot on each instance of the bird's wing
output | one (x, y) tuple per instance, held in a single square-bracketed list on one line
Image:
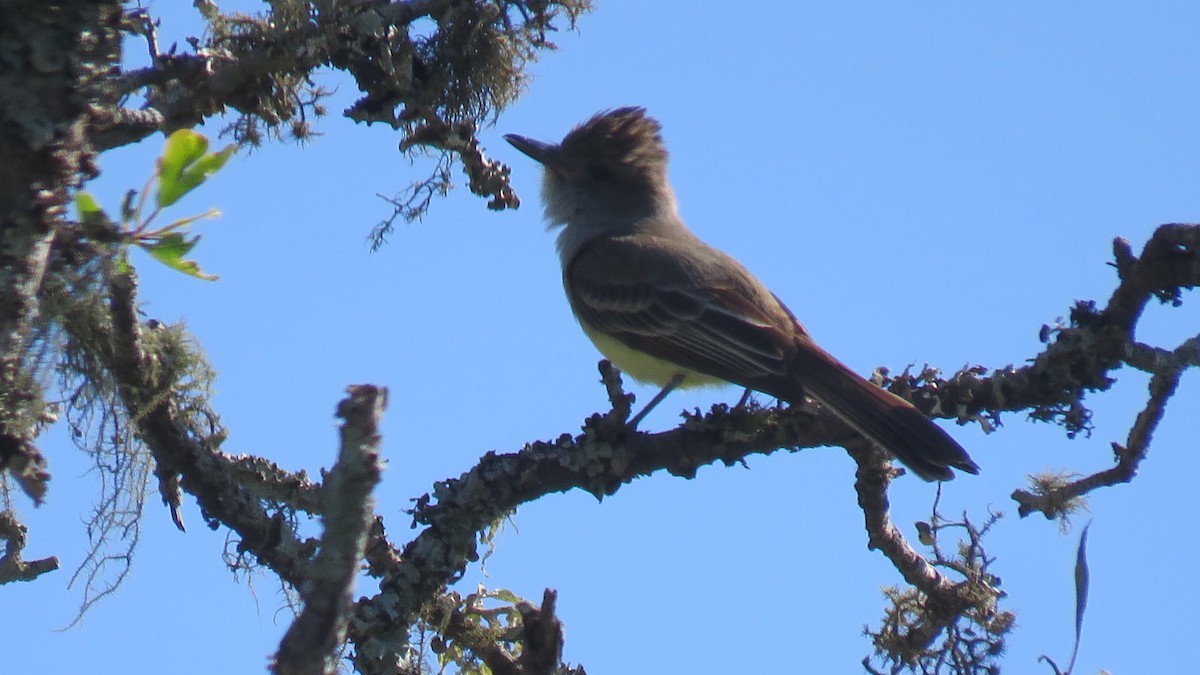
[(683, 302)]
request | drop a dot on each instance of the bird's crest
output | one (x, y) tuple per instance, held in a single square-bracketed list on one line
[(626, 139)]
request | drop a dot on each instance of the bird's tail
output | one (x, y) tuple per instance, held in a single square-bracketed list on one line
[(881, 416)]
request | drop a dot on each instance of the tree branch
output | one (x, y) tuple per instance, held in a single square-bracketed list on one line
[(438, 89), (57, 56), (1056, 501), (945, 601), (541, 636), (12, 566), (605, 457), (1170, 263), (600, 460), (183, 439), (1097, 341), (315, 638)]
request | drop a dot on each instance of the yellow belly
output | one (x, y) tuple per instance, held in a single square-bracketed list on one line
[(646, 368)]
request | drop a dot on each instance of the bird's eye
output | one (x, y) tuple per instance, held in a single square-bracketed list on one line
[(600, 172)]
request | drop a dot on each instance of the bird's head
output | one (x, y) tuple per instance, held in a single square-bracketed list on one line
[(613, 166)]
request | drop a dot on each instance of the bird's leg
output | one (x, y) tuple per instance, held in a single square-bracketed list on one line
[(672, 384)]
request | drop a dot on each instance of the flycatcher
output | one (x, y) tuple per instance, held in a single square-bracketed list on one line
[(668, 309)]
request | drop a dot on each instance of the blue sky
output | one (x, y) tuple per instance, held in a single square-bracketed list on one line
[(919, 182)]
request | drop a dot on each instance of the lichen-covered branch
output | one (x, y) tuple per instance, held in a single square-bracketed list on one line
[(1056, 500), (969, 626), (1080, 356), (13, 566), (872, 478), (607, 455), (1169, 264), (600, 460), (935, 602), (436, 89), (313, 642), (56, 56), (183, 434), (24, 462), (65, 98)]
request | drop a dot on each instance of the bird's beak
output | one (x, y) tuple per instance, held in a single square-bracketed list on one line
[(548, 154)]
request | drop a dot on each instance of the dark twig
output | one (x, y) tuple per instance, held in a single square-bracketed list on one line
[(541, 636)]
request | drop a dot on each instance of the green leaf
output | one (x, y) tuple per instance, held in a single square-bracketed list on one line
[(184, 165), (208, 164), (182, 149), (170, 249), (173, 245), (1082, 582), (87, 204), (90, 213)]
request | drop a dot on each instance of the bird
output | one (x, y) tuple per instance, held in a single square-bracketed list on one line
[(668, 309)]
